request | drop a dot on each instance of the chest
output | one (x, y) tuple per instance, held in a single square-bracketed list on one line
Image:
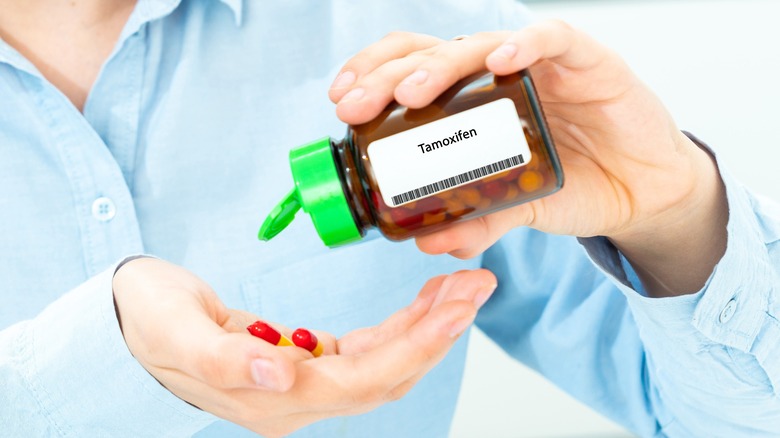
[(66, 43), (182, 149)]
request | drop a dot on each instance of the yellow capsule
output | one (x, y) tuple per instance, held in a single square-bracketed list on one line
[(484, 203), (469, 195), (433, 218), (454, 204), (511, 193), (447, 194)]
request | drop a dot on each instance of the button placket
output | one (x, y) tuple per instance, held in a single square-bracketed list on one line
[(92, 172)]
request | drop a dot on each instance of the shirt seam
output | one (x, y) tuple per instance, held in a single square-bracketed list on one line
[(42, 397)]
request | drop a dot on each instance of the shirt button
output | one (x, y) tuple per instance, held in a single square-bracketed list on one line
[(728, 311), (103, 209)]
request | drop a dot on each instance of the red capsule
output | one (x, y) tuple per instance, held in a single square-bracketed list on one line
[(405, 218), (431, 204), (496, 189), (267, 333), (307, 340)]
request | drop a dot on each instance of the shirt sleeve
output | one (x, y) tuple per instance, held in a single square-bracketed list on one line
[(705, 364), (68, 372)]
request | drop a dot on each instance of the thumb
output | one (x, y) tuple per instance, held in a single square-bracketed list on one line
[(234, 360)]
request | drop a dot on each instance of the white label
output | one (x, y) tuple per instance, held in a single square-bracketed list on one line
[(449, 152)]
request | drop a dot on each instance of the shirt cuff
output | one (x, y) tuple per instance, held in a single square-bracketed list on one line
[(85, 379), (734, 306)]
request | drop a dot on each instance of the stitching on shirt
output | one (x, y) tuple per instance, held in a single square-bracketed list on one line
[(76, 179), (39, 394)]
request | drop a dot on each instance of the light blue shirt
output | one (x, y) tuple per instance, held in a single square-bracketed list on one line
[(182, 150)]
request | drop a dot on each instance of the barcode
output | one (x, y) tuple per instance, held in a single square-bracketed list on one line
[(444, 184)]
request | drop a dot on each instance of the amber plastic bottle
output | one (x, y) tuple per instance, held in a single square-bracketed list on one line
[(480, 147)]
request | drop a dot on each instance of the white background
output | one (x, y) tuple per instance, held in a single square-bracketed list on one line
[(716, 64)]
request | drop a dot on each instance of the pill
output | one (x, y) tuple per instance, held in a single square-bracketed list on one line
[(307, 340), (269, 334), (447, 194), (433, 218), (484, 204), (410, 205), (469, 195), (511, 175), (456, 208), (511, 192), (405, 218), (530, 181), (494, 189), (431, 204)]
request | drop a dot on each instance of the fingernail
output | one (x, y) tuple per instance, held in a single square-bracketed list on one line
[(416, 78), (507, 50), (482, 296), (264, 373), (460, 326), (344, 79), (354, 94)]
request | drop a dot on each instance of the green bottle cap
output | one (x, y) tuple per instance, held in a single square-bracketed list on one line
[(319, 192)]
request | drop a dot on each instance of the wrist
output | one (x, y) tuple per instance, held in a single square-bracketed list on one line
[(119, 266), (130, 259), (675, 250)]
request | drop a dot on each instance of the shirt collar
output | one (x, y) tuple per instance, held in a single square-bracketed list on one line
[(145, 11), (148, 10), (237, 6), (10, 56)]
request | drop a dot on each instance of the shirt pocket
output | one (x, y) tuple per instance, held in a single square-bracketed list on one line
[(346, 288)]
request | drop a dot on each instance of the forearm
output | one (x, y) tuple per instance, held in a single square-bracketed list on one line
[(67, 371), (675, 252), (713, 366), (703, 364)]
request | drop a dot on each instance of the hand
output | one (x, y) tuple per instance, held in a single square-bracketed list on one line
[(177, 328), (631, 175)]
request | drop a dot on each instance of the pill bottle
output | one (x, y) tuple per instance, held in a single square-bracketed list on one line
[(480, 147)]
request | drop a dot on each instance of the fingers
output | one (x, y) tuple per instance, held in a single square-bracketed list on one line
[(232, 360), (394, 46), (364, 339), (239, 320), (374, 91), (413, 78), (451, 62), (415, 69), (173, 320), (395, 354), (474, 286), (399, 352), (552, 40), (212, 345), (459, 239), (468, 239), (375, 375)]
